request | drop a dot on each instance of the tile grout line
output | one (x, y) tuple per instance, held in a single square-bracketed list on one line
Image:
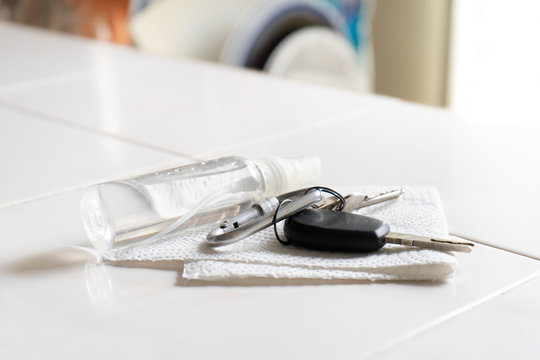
[(349, 116), (42, 196), (43, 81), (197, 157), (497, 247), (67, 77), (453, 314), (138, 172), (45, 117), (201, 155)]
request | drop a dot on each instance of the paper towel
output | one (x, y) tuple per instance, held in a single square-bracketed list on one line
[(417, 211)]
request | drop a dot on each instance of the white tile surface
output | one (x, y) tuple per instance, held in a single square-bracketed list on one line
[(40, 158), (505, 327), (190, 107), (485, 173)]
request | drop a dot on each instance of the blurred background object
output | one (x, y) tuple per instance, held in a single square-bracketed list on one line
[(411, 46), (248, 33), (473, 56), (332, 48), (101, 19)]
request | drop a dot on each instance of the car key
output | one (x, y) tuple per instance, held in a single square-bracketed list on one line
[(323, 229)]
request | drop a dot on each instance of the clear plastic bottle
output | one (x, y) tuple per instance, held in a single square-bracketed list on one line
[(152, 205)]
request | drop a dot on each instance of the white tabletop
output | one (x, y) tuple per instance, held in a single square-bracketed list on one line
[(74, 112)]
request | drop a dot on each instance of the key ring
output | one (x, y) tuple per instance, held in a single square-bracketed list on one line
[(341, 199)]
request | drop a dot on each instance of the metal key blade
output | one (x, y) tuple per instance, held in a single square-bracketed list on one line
[(356, 201), (427, 242)]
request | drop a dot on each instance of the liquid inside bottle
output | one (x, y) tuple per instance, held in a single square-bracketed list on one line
[(174, 192)]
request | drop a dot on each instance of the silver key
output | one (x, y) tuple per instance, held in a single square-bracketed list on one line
[(355, 201)]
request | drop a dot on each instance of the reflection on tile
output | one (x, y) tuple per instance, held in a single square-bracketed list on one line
[(145, 309), (37, 229)]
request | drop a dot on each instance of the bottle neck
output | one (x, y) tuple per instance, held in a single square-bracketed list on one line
[(284, 175)]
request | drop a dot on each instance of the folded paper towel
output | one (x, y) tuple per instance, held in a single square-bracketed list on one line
[(418, 211)]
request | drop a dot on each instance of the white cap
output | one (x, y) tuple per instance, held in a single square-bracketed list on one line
[(284, 175)]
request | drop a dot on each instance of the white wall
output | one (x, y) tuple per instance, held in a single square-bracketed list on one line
[(495, 61)]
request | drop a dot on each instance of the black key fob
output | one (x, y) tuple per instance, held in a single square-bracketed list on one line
[(328, 230)]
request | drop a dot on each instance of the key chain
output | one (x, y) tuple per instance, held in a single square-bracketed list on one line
[(310, 223), (339, 207), (263, 214)]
